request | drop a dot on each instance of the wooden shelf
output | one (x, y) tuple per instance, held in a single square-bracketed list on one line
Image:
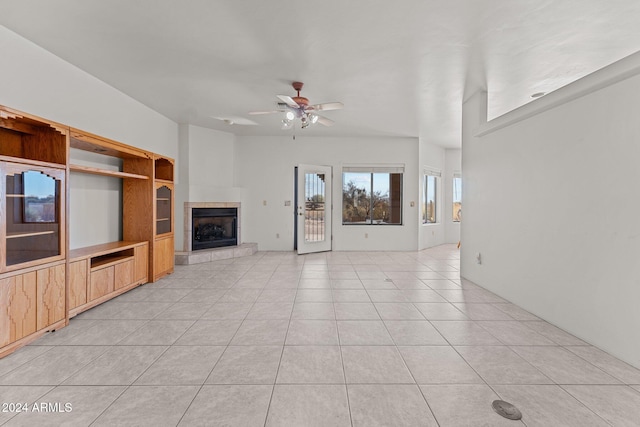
[(102, 249), (28, 234), (163, 181), (163, 219), (28, 257), (105, 172), (16, 195), (98, 264), (162, 199), (85, 141)]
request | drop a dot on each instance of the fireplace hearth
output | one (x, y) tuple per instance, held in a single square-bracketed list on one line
[(214, 227)]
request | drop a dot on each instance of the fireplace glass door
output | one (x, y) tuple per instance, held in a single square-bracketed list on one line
[(214, 227)]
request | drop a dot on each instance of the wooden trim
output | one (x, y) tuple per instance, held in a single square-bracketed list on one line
[(10, 348), (163, 181), (110, 262), (30, 269), (32, 265), (28, 234), (105, 172), (10, 113), (67, 208), (30, 162), (86, 141), (17, 126), (75, 311), (102, 249)]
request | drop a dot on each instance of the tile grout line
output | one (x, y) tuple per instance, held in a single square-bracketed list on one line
[(275, 380)]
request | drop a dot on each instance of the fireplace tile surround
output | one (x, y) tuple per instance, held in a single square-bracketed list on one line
[(189, 256)]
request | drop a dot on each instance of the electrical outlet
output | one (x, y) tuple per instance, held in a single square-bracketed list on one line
[(478, 258), (264, 203), (277, 235), (366, 235)]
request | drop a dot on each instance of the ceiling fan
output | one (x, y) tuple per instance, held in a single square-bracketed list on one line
[(298, 107)]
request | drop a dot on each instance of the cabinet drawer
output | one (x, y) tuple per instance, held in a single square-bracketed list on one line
[(102, 282)]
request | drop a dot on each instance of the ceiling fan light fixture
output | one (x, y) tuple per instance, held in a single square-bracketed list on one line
[(313, 118), (305, 122), (286, 124), (289, 115)]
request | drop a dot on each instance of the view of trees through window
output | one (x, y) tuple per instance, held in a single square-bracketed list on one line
[(429, 206), (371, 198), (457, 198)]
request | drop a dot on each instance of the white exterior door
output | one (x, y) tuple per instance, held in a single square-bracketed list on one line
[(314, 208)]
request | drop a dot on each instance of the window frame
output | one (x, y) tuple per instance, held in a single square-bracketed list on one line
[(372, 170), (437, 176), (456, 176)]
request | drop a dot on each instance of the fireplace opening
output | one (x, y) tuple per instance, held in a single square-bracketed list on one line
[(214, 227)]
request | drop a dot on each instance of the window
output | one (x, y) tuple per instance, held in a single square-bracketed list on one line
[(372, 196), (430, 199), (457, 197)]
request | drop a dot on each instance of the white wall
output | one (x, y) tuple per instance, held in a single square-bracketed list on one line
[(181, 185), (431, 157), (551, 201), (211, 164), (206, 159), (90, 225), (453, 165), (38, 82), (264, 167)]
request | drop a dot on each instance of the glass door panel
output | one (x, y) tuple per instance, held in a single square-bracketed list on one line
[(314, 208), (33, 214), (163, 210)]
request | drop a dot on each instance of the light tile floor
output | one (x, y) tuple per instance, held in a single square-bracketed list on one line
[(339, 338)]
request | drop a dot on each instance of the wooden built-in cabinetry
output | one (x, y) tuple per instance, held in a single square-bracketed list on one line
[(98, 273), (42, 282), (163, 235)]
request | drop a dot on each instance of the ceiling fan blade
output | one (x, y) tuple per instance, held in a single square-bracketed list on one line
[(288, 100), (255, 113), (328, 106), (235, 120), (325, 122)]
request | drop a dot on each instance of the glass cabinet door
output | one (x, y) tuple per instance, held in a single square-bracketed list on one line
[(164, 209), (33, 214)]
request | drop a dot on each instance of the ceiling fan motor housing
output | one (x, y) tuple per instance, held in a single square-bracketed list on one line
[(300, 100)]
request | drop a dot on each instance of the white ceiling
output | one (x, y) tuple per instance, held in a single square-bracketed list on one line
[(401, 68)]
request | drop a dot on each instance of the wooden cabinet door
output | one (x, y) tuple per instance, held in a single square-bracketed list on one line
[(50, 295), (77, 283), (163, 257), (141, 254), (123, 274), (17, 307), (102, 283)]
